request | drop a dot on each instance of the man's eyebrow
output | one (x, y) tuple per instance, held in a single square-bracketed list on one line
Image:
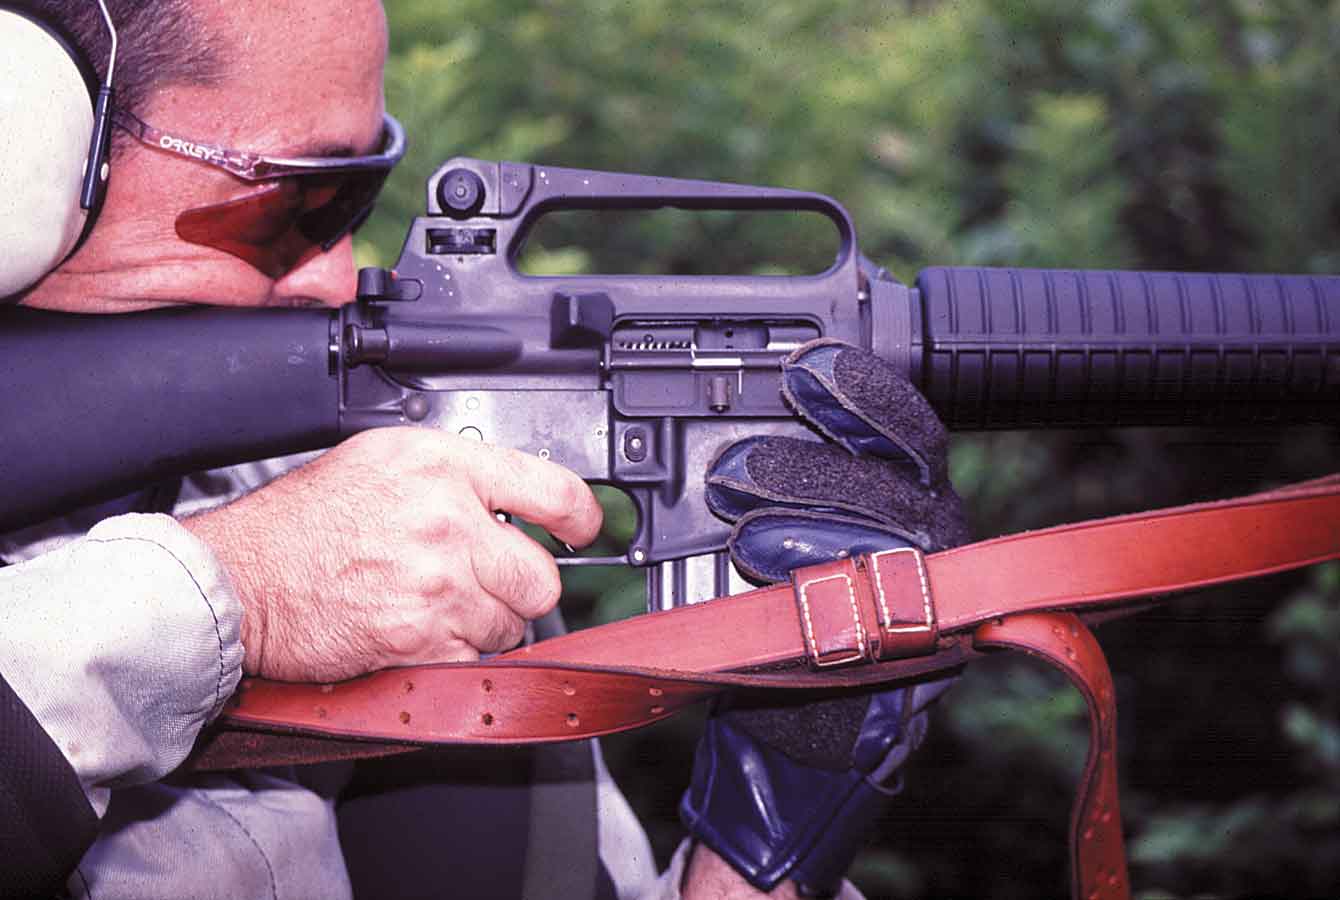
[(319, 151), (315, 148), (324, 149)]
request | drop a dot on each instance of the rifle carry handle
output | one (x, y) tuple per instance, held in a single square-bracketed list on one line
[(1026, 348)]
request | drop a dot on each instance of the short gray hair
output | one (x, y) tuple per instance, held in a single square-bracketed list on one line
[(160, 42)]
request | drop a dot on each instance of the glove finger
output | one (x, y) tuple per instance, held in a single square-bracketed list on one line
[(871, 732), (880, 751), (772, 472), (737, 484), (819, 729), (767, 544), (860, 402)]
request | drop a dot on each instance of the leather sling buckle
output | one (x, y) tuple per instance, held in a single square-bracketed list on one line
[(876, 607)]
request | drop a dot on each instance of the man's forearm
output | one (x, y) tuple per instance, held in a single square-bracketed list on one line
[(709, 877)]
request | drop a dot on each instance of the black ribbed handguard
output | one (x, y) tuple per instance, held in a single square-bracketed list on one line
[(1023, 348)]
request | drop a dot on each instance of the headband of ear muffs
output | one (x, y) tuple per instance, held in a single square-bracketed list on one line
[(47, 96)]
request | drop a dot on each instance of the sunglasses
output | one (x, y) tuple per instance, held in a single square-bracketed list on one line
[(306, 206)]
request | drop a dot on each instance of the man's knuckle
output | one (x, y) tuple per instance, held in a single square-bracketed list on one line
[(573, 496), (567, 502), (503, 630), (545, 589), (407, 635), (422, 574), (512, 631), (436, 521), (533, 585), (512, 581)]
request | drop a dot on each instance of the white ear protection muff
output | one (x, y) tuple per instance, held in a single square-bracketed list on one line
[(51, 131)]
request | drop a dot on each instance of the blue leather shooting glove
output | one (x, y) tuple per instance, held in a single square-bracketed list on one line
[(788, 788)]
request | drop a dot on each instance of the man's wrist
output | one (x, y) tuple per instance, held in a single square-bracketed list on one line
[(709, 877), (252, 627)]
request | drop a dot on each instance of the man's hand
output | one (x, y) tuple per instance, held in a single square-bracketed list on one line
[(387, 551), (787, 788)]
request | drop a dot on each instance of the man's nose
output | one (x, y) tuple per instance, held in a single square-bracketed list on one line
[(327, 278)]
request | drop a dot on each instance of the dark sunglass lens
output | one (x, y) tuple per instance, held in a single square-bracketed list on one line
[(257, 228), (328, 222), (293, 217)]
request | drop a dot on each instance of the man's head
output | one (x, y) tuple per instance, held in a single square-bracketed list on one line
[(283, 79)]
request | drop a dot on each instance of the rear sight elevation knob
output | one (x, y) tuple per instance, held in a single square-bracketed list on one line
[(461, 193)]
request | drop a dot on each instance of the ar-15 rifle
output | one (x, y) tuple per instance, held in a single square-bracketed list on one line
[(635, 381)]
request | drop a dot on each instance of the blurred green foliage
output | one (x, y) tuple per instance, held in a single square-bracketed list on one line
[(1176, 134)]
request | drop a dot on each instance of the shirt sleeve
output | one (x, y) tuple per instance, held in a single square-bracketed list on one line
[(122, 644)]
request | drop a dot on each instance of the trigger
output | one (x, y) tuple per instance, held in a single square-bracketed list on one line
[(506, 519)]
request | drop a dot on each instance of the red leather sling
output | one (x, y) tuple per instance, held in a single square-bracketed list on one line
[(889, 616)]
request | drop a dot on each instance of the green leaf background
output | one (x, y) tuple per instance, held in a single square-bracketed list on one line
[(1172, 134)]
